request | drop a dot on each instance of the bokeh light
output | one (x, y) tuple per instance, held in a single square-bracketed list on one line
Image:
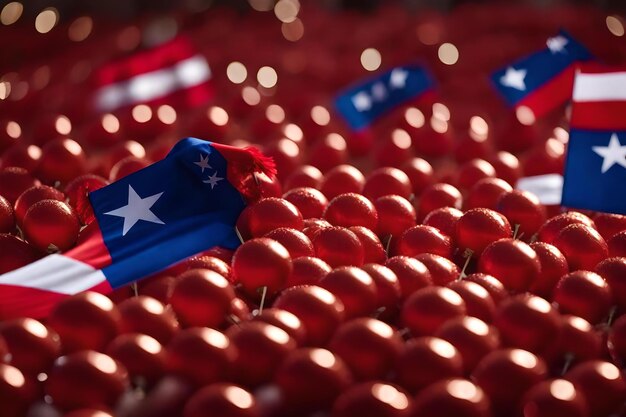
[(615, 25), (287, 10), (11, 13), (142, 113), (46, 20), (293, 31), (267, 77), (166, 114), (262, 5), (448, 53), (80, 29), (236, 72), (371, 59)]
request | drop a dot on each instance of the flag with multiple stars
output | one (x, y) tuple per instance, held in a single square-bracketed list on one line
[(595, 168), (186, 203), (541, 82), (365, 102)]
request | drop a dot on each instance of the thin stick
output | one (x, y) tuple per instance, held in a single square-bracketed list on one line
[(468, 256), (239, 234), (135, 289), (388, 244), (263, 290), (515, 231), (569, 358)]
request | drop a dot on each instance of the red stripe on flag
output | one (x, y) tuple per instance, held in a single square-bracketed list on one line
[(17, 301), (599, 115), (91, 249), (550, 95)]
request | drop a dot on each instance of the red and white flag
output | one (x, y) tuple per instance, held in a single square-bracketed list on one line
[(174, 73)]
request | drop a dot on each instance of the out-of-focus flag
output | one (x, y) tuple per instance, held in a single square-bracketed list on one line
[(541, 82), (363, 103), (595, 168), (548, 188), (177, 207), (173, 73)]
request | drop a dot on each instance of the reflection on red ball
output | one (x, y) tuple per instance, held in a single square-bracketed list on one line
[(372, 399), (222, 400), (452, 397)]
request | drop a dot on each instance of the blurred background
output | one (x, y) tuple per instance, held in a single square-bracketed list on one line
[(266, 72)]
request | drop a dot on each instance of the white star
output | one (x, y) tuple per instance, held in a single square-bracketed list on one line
[(557, 44), (398, 78), (361, 101), (613, 154), (379, 92), (514, 78), (203, 163), (213, 180), (137, 209)]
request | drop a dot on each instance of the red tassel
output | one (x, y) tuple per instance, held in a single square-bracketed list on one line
[(242, 164)]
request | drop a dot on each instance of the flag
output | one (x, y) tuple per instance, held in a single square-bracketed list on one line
[(541, 82), (177, 207), (362, 104), (595, 165), (173, 72), (548, 188)]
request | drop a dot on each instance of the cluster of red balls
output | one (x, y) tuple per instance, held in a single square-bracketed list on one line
[(391, 273)]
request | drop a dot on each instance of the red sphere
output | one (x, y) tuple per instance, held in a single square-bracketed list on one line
[(312, 379), (51, 225), (354, 287), (338, 246), (22, 156), (260, 263), (14, 253), (395, 215), (209, 262), (61, 160), (317, 308), (77, 192), (14, 181), (33, 346), (16, 392), (372, 399), (142, 356), (577, 341), (519, 368), (512, 262), (437, 196), (613, 270), (329, 152), (507, 166), (486, 192), (424, 239), (472, 337), (202, 355), (493, 286), (351, 209), (479, 227), (304, 176), (427, 309), (386, 181), (307, 270), (442, 270), (477, 299), (222, 400), (368, 346), (551, 228), (452, 397), (387, 289), (524, 209), (342, 179), (146, 315), (373, 251), (127, 166), (554, 398), (609, 224), (310, 202), (582, 246), (420, 173), (527, 322), (87, 320), (617, 244), (473, 171), (426, 360), (86, 379), (285, 320), (412, 274), (7, 216), (553, 267), (34, 195), (296, 242), (271, 213), (261, 348), (617, 341), (584, 294), (393, 149), (601, 384), (444, 219)]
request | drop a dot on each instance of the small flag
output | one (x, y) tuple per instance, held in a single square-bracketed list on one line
[(365, 102), (595, 167), (173, 72), (541, 82), (548, 188), (177, 207)]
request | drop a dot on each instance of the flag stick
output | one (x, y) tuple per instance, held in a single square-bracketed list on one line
[(468, 255), (263, 291)]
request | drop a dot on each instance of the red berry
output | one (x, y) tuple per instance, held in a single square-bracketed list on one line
[(582, 246), (338, 246), (259, 263), (386, 181), (395, 215), (51, 225), (427, 309), (584, 294), (310, 202), (512, 262), (342, 179), (351, 209)]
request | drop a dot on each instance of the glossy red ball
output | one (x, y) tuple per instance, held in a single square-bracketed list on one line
[(617, 244), (373, 251), (424, 239), (479, 227), (395, 215), (617, 341), (259, 263), (477, 299), (310, 202), (351, 209), (372, 399), (495, 288), (601, 384), (512, 262), (271, 213), (7, 216), (61, 160), (553, 226), (33, 346), (14, 181), (16, 392), (486, 193), (473, 171), (451, 397), (307, 270), (609, 224), (613, 270), (304, 176), (524, 209), (296, 242), (222, 400), (146, 315), (342, 179), (386, 181), (15, 253), (442, 270), (51, 225), (428, 308), (582, 246), (577, 341), (444, 219), (387, 289), (77, 192), (412, 274), (354, 287), (142, 356), (553, 267), (32, 196), (554, 398), (437, 196), (420, 173), (285, 320), (338, 246), (584, 294)]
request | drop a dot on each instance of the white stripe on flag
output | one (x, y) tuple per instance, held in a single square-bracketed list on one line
[(56, 273), (600, 87), (548, 188), (155, 84)]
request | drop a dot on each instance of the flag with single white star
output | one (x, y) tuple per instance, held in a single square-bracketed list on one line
[(177, 207), (595, 168), (542, 81), (363, 103)]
